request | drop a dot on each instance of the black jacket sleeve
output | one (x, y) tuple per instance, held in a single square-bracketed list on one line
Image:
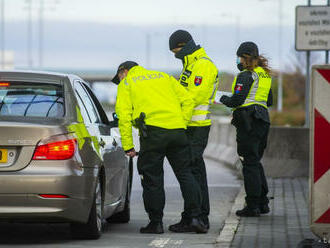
[(270, 98), (244, 82)]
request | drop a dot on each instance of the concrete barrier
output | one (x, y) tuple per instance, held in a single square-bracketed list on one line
[(287, 152), (286, 155), (222, 143)]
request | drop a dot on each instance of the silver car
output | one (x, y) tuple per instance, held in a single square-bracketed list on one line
[(60, 157)]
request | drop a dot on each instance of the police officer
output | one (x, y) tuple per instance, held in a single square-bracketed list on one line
[(165, 108), (251, 96), (200, 78)]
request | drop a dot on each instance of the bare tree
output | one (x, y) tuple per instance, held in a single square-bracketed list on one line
[(298, 61)]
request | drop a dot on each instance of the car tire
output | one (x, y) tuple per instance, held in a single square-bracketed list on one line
[(125, 215), (93, 228)]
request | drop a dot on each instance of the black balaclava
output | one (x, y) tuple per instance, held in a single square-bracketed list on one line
[(189, 48), (182, 38)]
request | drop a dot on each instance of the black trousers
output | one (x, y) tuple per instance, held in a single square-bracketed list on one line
[(198, 138), (250, 147), (172, 144)]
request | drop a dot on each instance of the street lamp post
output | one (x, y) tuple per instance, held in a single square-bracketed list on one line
[(237, 26), (327, 51), (41, 30), (41, 33), (280, 76), (2, 34), (148, 48), (308, 57), (149, 42), (29, 34)]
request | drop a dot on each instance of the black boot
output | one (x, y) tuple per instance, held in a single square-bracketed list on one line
[(198, 226), (264, 209), (206, 222), (194, 225), (181, 227), (248, 212), (153, 227)]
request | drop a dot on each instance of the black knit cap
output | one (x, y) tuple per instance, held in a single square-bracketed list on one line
[(248, 48), (178, 38), (126, 65)]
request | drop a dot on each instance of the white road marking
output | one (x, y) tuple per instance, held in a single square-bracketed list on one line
[(159, 242), (176, 243), (162, 242)]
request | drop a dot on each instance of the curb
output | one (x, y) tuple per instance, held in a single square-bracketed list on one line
[(229, 229)]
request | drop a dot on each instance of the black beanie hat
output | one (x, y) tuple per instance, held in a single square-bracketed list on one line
[(249, 48), (179, 36)]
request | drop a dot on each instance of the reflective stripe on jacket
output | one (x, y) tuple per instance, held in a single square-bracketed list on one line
[(200, 77), (164, 101)]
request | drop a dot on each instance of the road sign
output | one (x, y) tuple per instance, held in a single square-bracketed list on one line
[(312, 28), (319, 152)]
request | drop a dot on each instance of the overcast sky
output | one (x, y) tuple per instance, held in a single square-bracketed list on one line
[(115, 30), (212, 12)]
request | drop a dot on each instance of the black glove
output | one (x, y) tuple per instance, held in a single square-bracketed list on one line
[(224, 99)]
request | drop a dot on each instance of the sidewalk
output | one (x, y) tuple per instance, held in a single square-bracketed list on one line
[(285, 226)]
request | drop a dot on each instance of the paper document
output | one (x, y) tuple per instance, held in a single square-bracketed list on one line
[(219, 94)]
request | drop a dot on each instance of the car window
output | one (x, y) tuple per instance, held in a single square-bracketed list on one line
[(83, 110), (30, 99), (97, 104), (86, 101)]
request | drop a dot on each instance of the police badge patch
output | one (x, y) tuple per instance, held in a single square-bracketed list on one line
[(198, 80), (238, 88)]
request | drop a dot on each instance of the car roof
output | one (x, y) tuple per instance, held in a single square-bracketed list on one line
[(26, 74)]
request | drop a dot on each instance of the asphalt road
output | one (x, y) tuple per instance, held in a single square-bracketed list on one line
[(223, 187)]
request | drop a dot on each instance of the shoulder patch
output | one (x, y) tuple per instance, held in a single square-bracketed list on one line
[(238, 88), (198, 80)]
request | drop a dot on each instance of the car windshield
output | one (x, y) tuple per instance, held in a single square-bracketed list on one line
[(31, 99)]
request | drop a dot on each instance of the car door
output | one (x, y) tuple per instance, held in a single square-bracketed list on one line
[(115, 162), (91, 152)]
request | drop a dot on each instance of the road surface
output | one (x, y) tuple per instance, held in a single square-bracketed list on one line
[(223, 187)]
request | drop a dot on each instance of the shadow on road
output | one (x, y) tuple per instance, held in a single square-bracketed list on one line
[(17, 233)]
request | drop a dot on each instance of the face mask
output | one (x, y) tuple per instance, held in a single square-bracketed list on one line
[(177, 56), (239, 64)]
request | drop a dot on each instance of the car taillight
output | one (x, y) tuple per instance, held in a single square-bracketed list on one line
[(54, 149), (4, 84), (52, 196)]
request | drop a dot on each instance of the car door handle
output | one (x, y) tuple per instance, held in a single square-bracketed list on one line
[(102, 143), (114, 143)]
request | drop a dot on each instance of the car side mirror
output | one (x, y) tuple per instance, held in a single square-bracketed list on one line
[(114, 123)]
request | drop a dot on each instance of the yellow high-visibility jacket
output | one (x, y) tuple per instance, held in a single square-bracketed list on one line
[(259, 90), (164, 101), (200, 77)]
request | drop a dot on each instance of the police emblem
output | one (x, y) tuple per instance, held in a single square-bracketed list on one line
[(238, 88), (198, 80)]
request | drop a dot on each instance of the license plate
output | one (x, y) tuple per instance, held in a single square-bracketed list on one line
[(3, 155)]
